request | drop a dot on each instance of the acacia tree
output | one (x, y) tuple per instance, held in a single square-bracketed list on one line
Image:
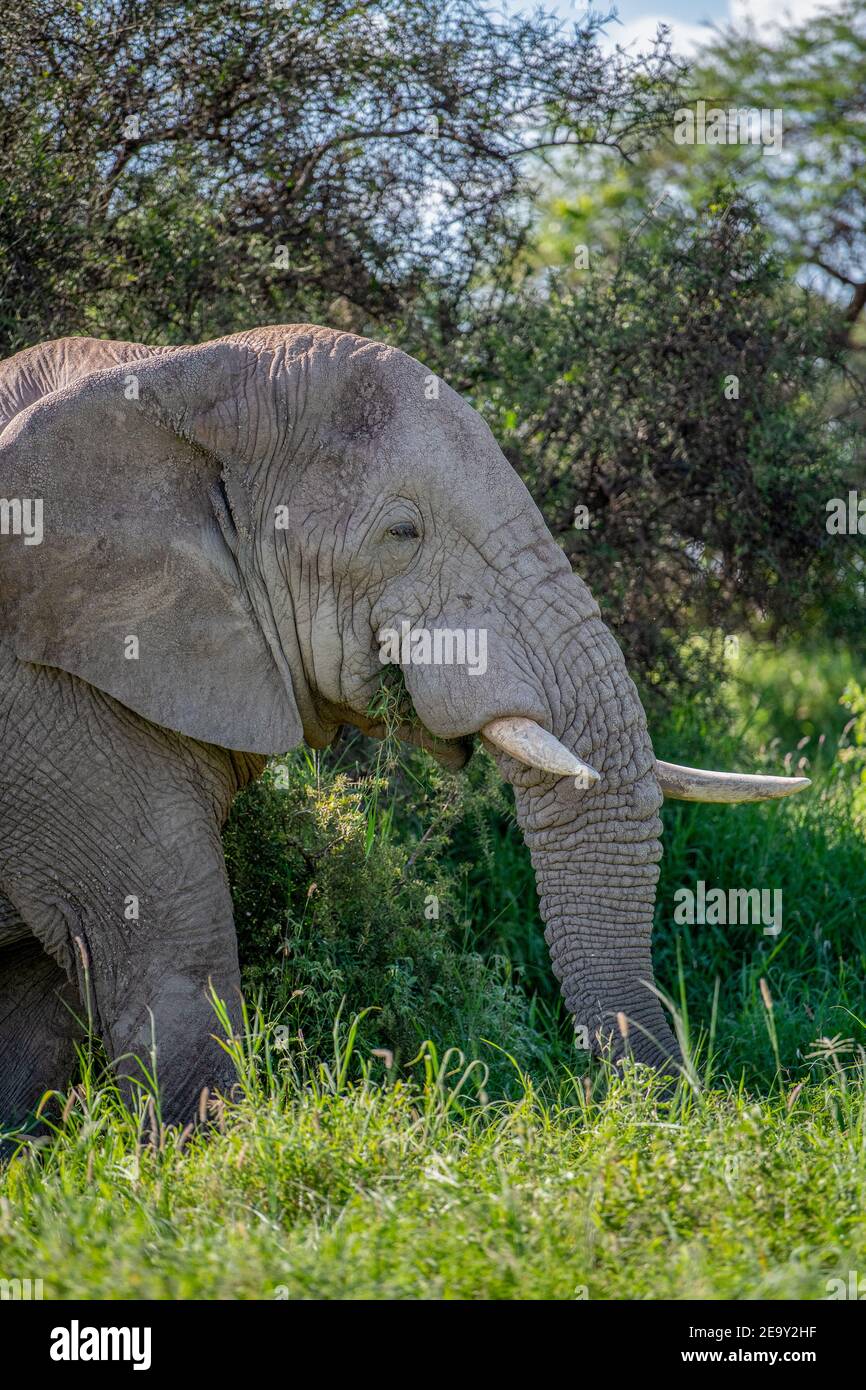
[(813, 193), (171, 169), (668, 408)]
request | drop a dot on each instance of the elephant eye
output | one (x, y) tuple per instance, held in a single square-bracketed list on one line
[(404, 531)]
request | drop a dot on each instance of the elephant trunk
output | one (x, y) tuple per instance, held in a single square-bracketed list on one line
[(596, 882), (595, 846)]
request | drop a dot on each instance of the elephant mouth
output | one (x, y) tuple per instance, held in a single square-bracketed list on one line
[(523, 738), (594, 844)]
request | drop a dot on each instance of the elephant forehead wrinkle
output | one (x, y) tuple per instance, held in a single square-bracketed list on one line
[(364, 407)]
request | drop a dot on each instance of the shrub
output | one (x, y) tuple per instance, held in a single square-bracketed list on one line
[(344, 899)]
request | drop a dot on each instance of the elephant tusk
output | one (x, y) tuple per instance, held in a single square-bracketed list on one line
[(526, 741), (694, 784)]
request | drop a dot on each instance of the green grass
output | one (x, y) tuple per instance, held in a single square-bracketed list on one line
[(512, 1168), (811, 847), (339, 1181)]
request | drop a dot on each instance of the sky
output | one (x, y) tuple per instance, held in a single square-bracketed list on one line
[(688, 18)]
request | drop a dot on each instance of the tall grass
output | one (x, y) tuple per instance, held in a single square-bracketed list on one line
[(342, 1178)]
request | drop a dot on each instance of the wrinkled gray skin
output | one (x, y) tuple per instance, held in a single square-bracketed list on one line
[(160, 473)]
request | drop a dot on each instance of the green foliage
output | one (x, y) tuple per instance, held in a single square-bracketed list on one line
[(812, 195), (853, 752), (333, 859), (810, 847), (678, 391), (816, 965), (792, 695), (333, 1174), (363, 1155), (343, 900), (173, 170), (291, 163)]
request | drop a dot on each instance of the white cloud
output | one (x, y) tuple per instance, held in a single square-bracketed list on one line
[(771, 14), (765, 15), (638, 34)]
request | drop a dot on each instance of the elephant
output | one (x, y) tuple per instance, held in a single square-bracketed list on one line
[(227, 534)]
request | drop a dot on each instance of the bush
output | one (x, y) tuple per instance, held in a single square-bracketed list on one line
[(173, 170), (344, 900)]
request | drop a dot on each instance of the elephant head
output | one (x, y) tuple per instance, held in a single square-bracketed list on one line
[(273, 515)]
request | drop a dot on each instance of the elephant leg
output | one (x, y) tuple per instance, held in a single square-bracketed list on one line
[(39, 1012), (110, 852)]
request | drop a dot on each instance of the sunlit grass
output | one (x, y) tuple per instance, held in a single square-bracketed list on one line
[(342, 1180)]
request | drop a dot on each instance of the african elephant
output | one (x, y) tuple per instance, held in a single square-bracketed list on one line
[(228, 534)]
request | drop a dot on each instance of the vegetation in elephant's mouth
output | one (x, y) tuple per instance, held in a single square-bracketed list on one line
[(392, 705)]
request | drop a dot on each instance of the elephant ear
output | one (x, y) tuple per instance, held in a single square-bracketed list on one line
[(144, 581), (37, 371)]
